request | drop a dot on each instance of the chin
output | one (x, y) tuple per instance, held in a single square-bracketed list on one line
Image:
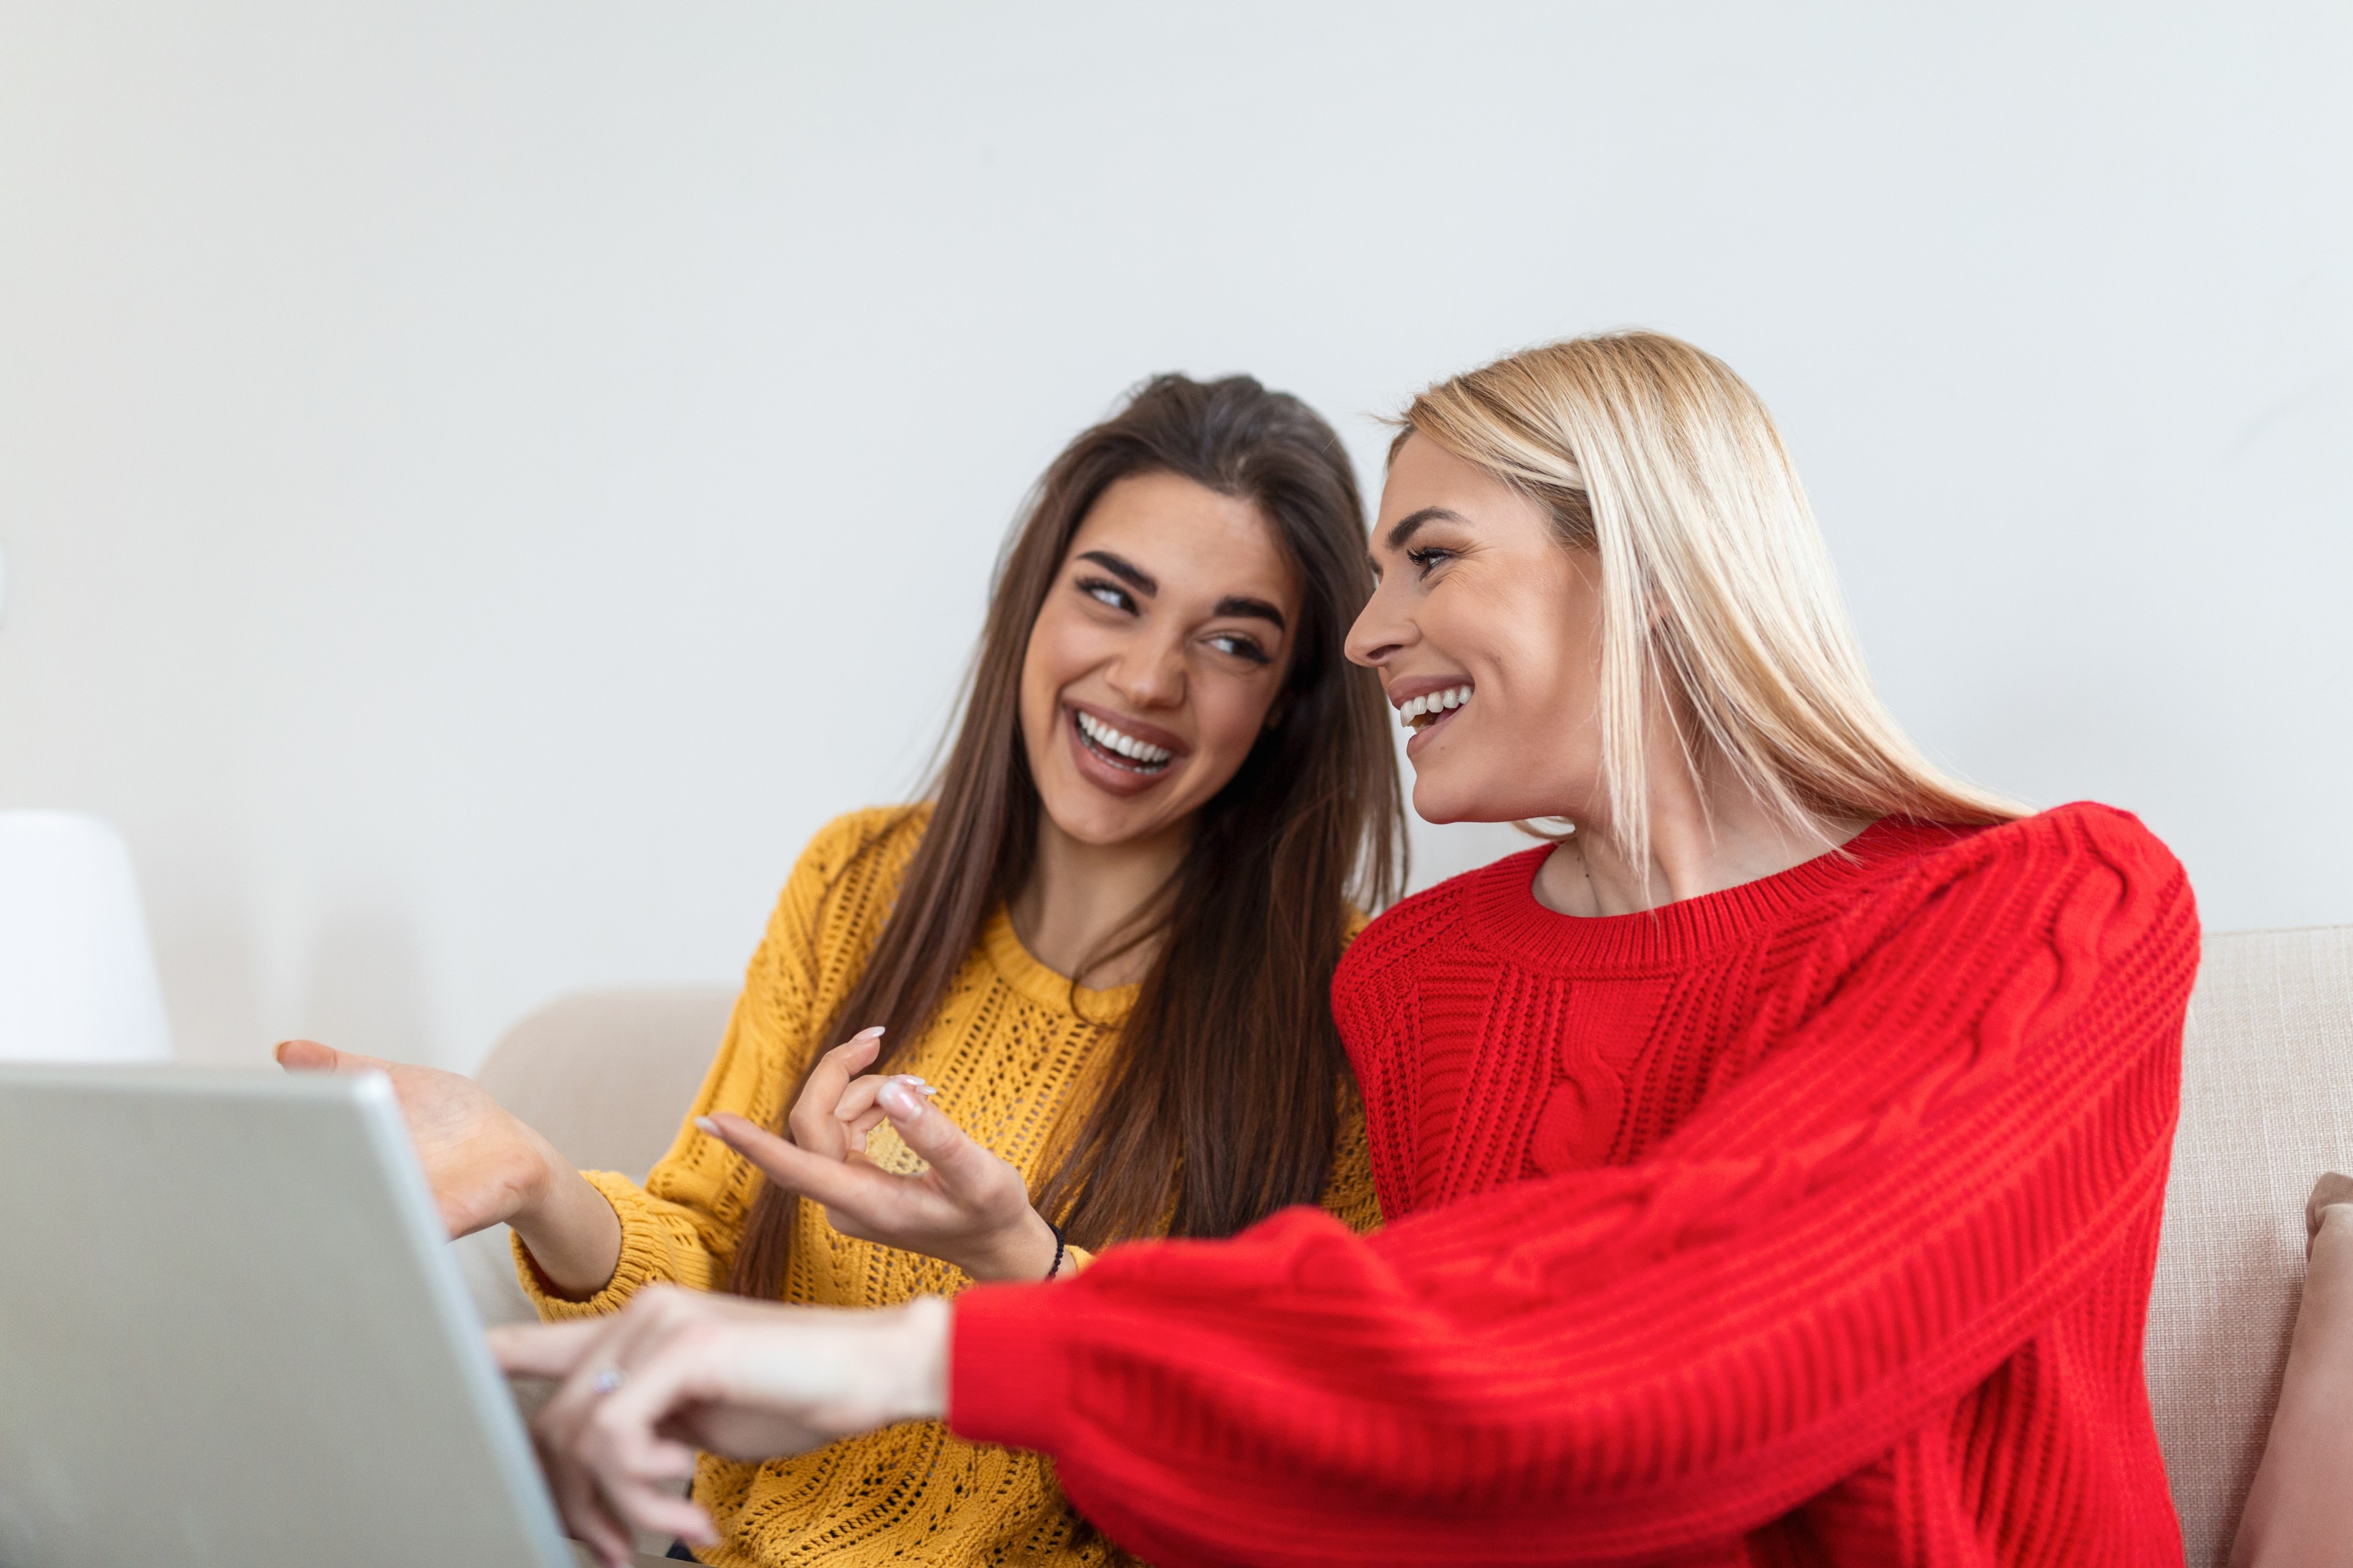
[(1440, 801), (1438, 806), (1100, 830), (1089, 817), (1438, 795)]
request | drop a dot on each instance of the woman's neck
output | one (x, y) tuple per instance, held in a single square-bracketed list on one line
[(1080, 895), (1706, 834)]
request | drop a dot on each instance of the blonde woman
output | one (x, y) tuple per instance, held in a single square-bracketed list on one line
[(1773, 1163)]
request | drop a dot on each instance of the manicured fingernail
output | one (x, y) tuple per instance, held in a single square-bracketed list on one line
[(867, 1034), (899, 1098), (707, 1125)]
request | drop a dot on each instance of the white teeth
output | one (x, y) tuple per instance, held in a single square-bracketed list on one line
[(1126, 745), (1430, 704)]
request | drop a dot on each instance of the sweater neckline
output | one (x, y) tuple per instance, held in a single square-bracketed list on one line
[(1507, 916), (1049, 988)]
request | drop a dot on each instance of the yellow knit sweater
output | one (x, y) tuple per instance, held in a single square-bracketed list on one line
[(1006, 1050)]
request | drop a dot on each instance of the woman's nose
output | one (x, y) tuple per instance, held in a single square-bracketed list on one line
[(1150, 676), (1381, 633)]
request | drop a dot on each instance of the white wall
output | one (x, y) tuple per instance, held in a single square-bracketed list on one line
[(481, 482)]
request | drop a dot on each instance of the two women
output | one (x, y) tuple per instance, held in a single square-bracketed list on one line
[(1106, 943), (1772, 1165)]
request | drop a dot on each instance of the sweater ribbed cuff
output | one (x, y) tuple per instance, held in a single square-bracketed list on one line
[(646, 1255), (1010, 1374)]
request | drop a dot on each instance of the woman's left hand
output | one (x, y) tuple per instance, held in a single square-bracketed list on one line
[(678, 1370), (971, 1208)]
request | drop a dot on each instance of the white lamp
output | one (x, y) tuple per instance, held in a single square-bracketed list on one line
[(76, 977)]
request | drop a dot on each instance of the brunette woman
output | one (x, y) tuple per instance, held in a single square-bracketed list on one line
[(1773, 1165), (1104, 946)]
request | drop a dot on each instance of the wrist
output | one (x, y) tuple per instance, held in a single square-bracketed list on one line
[(546, 1190), (1022, 1252), (572, 1233), (918, 1350)]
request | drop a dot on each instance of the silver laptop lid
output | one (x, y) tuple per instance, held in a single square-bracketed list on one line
[(231, 1334)]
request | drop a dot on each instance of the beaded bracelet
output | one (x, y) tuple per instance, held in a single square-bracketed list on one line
[(1057, 1268)]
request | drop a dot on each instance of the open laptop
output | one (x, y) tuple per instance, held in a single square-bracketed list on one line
[(231, 1334)]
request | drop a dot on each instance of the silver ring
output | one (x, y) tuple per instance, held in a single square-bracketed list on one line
[(611, 1378)]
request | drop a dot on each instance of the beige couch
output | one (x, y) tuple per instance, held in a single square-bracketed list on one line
[(2266, 1106)]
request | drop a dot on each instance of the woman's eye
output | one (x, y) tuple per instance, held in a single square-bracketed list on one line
[(1239, 645), (1428, 556), (1110, 594)]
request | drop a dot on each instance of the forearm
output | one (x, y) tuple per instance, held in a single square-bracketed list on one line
[(2298, 1510)]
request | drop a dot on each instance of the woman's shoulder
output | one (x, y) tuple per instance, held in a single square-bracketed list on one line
[(2081, 836), (2082, 878), (885, 829), (853, 863), (1433, 916)]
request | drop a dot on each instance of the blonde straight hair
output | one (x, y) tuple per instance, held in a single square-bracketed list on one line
[(1716, 589)]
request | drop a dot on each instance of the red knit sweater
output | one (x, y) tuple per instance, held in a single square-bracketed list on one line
[(1811, 1221)]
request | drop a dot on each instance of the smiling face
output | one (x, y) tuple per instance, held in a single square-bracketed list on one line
[(1486, 631), (1156, 660)]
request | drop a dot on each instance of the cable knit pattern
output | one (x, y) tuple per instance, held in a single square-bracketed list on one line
[(1009, 1049), (1806, 1222)]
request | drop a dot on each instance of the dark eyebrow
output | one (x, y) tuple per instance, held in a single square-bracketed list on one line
[(1232, 604), (1408, 527), (1127, 571), (1145, 583)]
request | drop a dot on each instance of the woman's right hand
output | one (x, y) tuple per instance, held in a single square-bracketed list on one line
[(676, 1370), (487, 1166)]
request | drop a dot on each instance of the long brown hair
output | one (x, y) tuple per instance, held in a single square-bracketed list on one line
[(1220, 1100)]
